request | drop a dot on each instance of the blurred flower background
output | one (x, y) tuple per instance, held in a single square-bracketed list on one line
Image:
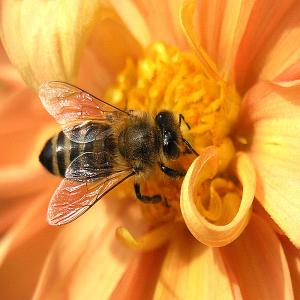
[(105, 48)]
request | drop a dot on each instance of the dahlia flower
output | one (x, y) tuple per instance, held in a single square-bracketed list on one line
[(230, 229)]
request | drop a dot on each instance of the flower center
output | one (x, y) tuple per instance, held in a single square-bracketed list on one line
[(168, 79)]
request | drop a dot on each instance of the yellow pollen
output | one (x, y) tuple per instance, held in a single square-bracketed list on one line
[(168, 78)]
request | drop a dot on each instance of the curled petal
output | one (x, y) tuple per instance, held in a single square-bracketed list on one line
[(203, 168), (270, 115), (44, 39)]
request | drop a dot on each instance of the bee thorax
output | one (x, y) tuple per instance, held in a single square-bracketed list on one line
[(138, 144)]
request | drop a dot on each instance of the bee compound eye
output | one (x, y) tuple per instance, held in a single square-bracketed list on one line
[(163, 119)]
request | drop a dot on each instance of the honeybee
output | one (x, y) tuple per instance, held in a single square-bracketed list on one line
[(101, 146)]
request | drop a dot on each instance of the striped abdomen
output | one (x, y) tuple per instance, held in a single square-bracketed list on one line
[(60, 151)]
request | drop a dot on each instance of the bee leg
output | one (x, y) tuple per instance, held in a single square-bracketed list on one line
[(166, 203), (144, 198), (171, 172), (181, 117), (189, 148)]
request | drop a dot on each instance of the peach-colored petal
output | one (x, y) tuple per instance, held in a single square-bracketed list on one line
[(293, 258), (23, 248), (192, 271), (50, 47), (21, 173), (90, 264), (153, 239), (229, 29), (110, 44), (258, 262), (139, 279), (152, 20), (187, 21), (10, 79), (220, 25), (24, 228), (20, 271), (273, 29), (203, 168), (269, 119)]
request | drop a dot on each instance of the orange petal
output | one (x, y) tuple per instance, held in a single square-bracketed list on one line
[(109, 45), (20, 271), (270, 120), (229, 29), (153, 239), (220, 26), (89, 265), (203, 168), (10, 79), (139, 279), (187, 20), (24, 247), (152, 20), (293, 259), (259, 264), (25, 228), (192, 271), (50, 47), (273, 29), (23, 170)]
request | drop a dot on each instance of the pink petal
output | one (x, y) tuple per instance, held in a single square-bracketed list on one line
[(258, 262), (269, 120)]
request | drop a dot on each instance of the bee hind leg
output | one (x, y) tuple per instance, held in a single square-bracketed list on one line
[(145, 198)]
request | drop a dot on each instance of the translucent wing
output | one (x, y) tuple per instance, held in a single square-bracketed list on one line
[(72, 199), (87, 132), (91, 166), (70, 105)]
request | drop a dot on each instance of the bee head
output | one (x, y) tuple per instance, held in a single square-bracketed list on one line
[(170, 134)]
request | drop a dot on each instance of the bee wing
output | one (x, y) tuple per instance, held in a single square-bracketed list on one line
[(90, 166), (86, 132), (72, 106), (72, 199)]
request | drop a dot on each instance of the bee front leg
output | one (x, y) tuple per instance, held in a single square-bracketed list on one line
[(171, 172), (144, 198)]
